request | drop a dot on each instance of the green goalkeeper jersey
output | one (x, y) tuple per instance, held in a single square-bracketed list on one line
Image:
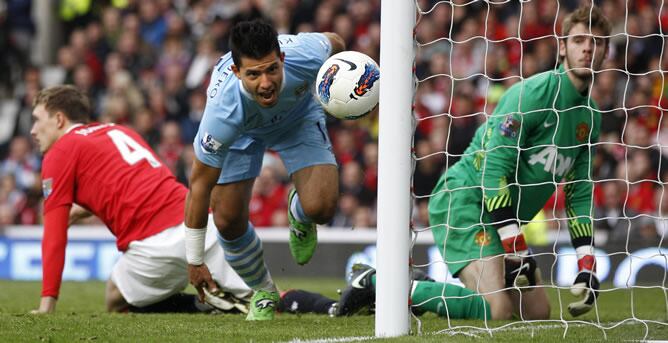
[(539, 135)]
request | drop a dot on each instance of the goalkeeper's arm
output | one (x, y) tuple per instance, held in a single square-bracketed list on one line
[(506, 134)]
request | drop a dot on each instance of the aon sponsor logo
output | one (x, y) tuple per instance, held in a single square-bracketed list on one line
[(552, 161)]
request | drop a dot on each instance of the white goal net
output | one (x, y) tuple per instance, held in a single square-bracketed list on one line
[(468, 54)]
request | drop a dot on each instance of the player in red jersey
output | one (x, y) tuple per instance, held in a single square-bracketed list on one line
[(109, 171)]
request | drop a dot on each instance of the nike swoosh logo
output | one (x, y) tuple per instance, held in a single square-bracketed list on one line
[(352, 65), (356, 283), (297, 232), (522, 267), (546, 124)]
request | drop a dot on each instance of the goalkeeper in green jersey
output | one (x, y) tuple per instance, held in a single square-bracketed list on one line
[(540, 135)]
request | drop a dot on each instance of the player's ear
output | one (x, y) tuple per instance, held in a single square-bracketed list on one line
[(61, 119), (562, 47), (282, 56), (235, 70)]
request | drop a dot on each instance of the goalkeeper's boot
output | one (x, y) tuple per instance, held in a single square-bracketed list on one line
[(263, 305), (360, 293), (303, 237), (225, 302), (521, 272)]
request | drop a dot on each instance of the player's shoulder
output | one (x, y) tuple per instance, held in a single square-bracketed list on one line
[(304, 46), (536, 91), (537, 83), (89, 131), (302, 39), (224, 86)]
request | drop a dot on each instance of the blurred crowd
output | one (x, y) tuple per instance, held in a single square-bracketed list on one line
[(146, 64)]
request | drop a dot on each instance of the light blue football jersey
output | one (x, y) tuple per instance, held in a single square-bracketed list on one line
[(233, 119)]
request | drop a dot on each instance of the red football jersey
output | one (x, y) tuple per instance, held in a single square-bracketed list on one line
[(111, 171)]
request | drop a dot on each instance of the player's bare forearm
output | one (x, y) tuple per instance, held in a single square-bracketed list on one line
[(202, 180), (338, 44)]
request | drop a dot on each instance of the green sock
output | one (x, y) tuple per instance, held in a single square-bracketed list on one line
[(428, 296), (459, 302)]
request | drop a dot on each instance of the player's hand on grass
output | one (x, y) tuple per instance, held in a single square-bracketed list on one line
[(200, 278), (585, 286), (46, 305)]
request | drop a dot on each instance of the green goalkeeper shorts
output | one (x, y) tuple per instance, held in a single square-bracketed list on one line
[(455, 215)]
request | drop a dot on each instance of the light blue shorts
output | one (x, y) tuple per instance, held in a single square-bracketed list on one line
[(301, 146)]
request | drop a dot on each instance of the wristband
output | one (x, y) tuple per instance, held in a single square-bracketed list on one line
[(195, 245), (512, 239)]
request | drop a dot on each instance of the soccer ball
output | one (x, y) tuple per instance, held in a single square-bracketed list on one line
[(347, 86)]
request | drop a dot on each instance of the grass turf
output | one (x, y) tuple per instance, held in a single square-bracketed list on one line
[(81, 317)]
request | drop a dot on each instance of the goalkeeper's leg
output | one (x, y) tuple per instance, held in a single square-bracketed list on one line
[(532, 304), (487, 277), (448, 300)]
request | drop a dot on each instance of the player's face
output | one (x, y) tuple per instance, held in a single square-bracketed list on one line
[(45, 128), (582, 53), (262, 77)]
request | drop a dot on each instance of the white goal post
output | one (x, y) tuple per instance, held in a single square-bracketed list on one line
[(397, 54)]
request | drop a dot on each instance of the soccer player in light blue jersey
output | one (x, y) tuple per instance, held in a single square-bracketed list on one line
[(259, 97)]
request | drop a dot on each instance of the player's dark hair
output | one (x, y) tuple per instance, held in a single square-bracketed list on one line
[(581, 16), (254, 39), (69, 100)]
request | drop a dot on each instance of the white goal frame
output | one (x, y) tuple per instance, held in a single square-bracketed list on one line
[(395, 166)]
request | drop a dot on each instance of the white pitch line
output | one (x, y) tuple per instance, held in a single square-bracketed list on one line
[(537, 327), (475, 332), (334, 339)]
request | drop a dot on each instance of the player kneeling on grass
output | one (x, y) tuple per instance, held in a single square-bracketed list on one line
[(540, 133), (112, 173)]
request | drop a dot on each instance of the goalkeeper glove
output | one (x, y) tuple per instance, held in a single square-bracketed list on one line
[(520, 271), (585, 286)]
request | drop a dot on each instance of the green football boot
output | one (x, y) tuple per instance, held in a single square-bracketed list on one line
[(263, 305)]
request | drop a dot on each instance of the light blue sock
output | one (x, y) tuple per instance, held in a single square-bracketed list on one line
[(298, 211), (246, 256)]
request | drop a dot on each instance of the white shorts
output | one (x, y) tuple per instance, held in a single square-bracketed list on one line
[(155, 268)]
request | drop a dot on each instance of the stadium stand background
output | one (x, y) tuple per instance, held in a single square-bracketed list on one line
[(146, 64)]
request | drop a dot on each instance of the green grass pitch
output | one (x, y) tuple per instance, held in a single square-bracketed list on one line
[(81, 317)]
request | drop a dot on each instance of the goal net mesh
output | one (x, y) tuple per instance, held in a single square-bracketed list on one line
[(468, 54)]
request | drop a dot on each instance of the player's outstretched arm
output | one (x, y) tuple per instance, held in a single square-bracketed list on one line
[(202, 181), (54, 243), (338, 44)]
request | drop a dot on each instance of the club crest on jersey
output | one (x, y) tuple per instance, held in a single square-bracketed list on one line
[(326, 82), (366, 81), (509, 127), (482, 239), (47, 187), (209, 144), (581, 132)]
